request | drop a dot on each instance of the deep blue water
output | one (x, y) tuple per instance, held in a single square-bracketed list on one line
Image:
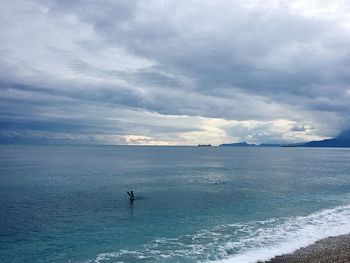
[(194, 204)]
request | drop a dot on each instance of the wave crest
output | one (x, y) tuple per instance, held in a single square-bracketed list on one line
[(240, 242)]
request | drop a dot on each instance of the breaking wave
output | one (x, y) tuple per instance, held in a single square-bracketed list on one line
[(239, 242)]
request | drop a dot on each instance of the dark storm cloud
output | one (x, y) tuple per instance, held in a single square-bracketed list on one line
[(81, 106), (276, 52), (94, 61)]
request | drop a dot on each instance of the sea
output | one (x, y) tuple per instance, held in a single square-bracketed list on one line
[(193, 204)]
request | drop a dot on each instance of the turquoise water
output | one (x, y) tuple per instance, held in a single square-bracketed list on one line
[(194, 204)]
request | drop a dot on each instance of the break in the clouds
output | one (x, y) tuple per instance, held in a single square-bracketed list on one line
[(173, 72)]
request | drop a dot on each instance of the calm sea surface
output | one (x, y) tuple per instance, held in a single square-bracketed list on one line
[(194, 204)]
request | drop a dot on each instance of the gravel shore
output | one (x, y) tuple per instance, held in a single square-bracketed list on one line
[(328, 250)]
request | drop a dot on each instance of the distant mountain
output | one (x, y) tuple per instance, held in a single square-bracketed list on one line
[(344, 135), (328, 143), (237, 144), (245, 144), (342, 140), (269, 145)]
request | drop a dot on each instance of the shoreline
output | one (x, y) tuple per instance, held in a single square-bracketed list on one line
[(334, 249)]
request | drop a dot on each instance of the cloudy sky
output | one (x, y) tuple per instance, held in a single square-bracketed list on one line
[(173, 72)]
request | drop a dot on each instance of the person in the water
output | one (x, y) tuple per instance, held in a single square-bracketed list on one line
[(131, 195)]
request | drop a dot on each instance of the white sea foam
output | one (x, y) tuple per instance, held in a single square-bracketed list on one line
[(290, 235), (240, 243)]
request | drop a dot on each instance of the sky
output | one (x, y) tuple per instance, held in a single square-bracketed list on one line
[(173, 72)]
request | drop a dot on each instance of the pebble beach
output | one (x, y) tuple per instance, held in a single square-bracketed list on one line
[(328, 250)]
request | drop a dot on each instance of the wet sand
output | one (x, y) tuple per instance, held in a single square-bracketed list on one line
[(328, 250)]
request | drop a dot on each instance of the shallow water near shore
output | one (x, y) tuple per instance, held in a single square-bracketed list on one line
[(194, 204)]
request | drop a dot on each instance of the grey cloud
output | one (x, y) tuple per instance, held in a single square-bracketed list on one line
[(220, 59), (298, 128), (238, 53), (79, 118)]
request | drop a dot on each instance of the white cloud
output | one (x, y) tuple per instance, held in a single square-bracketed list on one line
[(175, 72)]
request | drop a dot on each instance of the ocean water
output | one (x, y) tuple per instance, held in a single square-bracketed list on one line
[(194, 204)]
